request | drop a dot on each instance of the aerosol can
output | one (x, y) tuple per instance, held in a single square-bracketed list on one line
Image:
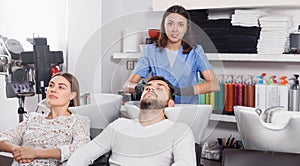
[(294, 94)]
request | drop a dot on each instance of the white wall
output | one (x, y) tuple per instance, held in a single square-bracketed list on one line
[(93, 32), (117, 18), (84, 44), (20, 20)]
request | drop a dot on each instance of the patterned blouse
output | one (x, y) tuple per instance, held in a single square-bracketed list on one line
[(66, 133)]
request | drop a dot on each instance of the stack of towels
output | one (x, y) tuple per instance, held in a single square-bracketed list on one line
[(274, 37)]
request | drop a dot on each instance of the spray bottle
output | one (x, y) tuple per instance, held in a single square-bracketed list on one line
[(272, 93), (260, 92), (283, 92), (294, 94)]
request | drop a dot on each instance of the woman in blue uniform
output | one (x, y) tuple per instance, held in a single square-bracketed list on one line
[(176, 57)]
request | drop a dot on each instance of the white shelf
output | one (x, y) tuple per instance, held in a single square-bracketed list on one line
[(223, 118), (162, 5), (230, 57), (254, 57), (131, 55)]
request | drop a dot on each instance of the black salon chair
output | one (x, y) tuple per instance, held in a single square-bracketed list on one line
[(104, 159), (241, 157)]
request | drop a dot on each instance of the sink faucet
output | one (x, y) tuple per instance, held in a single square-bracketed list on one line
[(270, 111), (85, 98)]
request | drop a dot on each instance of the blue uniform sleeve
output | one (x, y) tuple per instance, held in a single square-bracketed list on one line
[(142, 67), (202, 63)]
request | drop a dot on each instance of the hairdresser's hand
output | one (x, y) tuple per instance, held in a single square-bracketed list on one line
[(186, 91), (139, 88), (24, 154)]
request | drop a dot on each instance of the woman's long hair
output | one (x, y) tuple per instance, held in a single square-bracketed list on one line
[(74, 87)]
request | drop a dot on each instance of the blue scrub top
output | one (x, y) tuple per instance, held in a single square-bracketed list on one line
[(182, 74)]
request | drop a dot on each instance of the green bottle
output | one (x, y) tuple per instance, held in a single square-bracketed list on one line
[(202, 97), (219, 96)]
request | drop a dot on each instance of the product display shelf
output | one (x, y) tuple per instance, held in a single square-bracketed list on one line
[(222, 117), (230, 57)]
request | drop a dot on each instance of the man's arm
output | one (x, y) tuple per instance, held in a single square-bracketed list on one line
[(184, 150)]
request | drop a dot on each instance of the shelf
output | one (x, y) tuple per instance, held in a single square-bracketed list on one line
[(162, 5), (131, 55), (222, 118), (254, 57), (230, 57)]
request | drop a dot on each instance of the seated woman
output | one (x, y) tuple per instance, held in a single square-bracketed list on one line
[(50, 138)]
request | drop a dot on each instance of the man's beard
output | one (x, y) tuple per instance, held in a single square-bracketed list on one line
[(151, 104)]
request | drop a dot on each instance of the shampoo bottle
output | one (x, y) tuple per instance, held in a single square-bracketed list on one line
[(260, 92), (283, 92), (294, 94), (272, 93)]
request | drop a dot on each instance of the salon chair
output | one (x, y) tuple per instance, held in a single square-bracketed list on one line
[(242, 157)]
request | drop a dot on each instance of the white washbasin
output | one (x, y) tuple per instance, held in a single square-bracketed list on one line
[(280, 135), (102, 110), (196, 116)]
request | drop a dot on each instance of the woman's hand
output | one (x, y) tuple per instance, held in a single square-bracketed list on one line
[(24, 154)]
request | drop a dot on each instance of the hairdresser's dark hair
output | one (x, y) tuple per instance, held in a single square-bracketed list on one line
[(74, 87), (188, 40), (171, 87)]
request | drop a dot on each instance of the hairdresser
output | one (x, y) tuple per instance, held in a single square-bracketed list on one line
[(176, 57)]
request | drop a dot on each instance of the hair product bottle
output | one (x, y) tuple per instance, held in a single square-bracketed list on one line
[(219, 96), (251, 93), (272, 93), (294, 94), (245, 90), (229, 95), (260, 92), (202, 99), (238, 91), (283, 92)]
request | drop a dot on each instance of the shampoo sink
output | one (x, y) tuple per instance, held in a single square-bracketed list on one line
[(102, 109), (196, 116), (280, 134)]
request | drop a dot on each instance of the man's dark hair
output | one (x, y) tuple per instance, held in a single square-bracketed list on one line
[(171, 87)]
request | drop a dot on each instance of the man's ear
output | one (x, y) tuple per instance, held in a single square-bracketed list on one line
[(171, 103)]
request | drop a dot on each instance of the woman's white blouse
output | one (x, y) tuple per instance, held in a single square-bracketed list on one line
[(66, 133)]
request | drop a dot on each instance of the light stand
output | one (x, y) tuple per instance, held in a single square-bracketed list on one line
[(21, 110), (22, 65)]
